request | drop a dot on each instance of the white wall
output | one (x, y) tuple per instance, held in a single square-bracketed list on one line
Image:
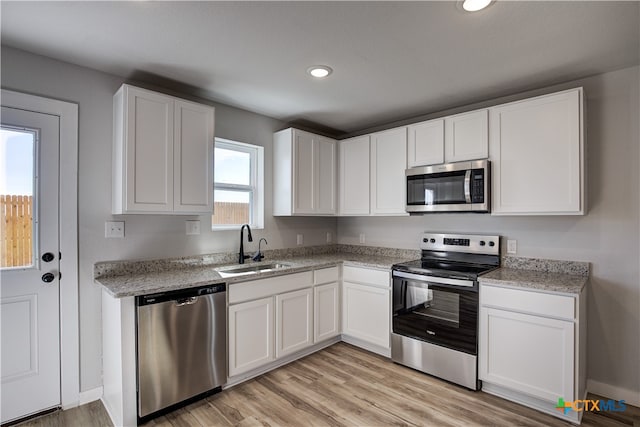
[(147, 236), (608, 236)]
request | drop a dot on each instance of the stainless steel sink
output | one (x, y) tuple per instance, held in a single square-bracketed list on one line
[(250, 269)]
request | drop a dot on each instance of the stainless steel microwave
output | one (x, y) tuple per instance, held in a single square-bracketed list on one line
[(452, 187)]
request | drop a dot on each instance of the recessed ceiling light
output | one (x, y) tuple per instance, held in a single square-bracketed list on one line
[(475, 5), (319, 71)]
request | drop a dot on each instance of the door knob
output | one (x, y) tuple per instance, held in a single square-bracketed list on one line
[(48, 277), (48, 257)]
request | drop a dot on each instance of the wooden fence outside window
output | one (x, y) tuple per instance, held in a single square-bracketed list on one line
[(16, 229)]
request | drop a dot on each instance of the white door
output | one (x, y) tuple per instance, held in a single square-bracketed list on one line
[(466, 136), (388, 165), (29, 276), (326, 312), (250, 335), (425, 143), (326, 179), (366, 313), (354, 176), (294, 321), (303, 173), (193, 157), (530, 354)]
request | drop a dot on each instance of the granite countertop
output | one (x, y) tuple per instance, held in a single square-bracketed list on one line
[(128, 282), (561, 277)]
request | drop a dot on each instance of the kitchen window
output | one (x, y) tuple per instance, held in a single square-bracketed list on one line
[(238, 185)]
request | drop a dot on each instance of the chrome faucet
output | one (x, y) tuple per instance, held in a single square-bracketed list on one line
[(241, 255), (259, 255)]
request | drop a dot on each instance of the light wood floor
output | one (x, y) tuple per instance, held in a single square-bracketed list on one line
[(345, 386)]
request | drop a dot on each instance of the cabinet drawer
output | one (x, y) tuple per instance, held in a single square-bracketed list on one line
[(326, 275), (558, 306), (368, 276), (261, 288)]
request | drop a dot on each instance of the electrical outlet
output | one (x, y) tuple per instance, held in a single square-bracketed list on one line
[(329, 237), (362, 238), (114, 229), (299, 239), (512, 246), (193, 227)]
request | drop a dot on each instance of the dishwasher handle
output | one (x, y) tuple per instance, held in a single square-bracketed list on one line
[(181, 297), (186, 301)]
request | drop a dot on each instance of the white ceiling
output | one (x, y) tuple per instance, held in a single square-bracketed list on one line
[(391, 60)]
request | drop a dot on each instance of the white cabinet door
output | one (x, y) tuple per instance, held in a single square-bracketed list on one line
[(537, 145), (294, 321), (304, 171), (326, 176), (147, 150), (366, 313), (354, 176), (305, 174), (388, 165), (162, 154), (193, 157), (326, 311), (425, 143), (250, 335), (530, 354), (466, 136)]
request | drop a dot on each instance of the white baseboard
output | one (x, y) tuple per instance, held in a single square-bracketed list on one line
[(382, 351), (631, 397), (90, 395), (84, 397)]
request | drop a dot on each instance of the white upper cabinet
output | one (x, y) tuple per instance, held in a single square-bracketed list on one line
[(305, 174), (425, 143), (466, 136), (162, 154), (537, 154), (354, 176), (193, 158), (388, 165)]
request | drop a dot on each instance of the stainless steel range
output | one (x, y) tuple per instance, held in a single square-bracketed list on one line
[(435, 305)]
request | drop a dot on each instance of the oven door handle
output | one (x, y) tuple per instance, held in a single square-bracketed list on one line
[(467, 186), (434, 280)]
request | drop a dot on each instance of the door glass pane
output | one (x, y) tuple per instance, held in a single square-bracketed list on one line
[(17, 160), (231, 207), (232, 167)]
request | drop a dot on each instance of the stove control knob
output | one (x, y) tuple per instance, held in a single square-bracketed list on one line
[(492, 244), (425, 240), (433, 240), (482, 243)]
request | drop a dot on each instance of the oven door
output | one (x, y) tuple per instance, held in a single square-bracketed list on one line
[(438, 310)]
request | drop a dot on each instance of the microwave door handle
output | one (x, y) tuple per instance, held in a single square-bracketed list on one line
[(467, 186)]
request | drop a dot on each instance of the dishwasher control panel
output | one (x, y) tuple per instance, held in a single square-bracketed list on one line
[(180, 294)]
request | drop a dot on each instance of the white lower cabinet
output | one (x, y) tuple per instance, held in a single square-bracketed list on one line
[(530, 347), (250, 335), (294, 321), (366, 305), (276, 317), (326, 311), (530, 353)]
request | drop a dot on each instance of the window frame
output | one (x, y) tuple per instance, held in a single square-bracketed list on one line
[(255, 187)]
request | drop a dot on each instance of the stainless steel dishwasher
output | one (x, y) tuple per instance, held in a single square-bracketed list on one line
[(181, 347)]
